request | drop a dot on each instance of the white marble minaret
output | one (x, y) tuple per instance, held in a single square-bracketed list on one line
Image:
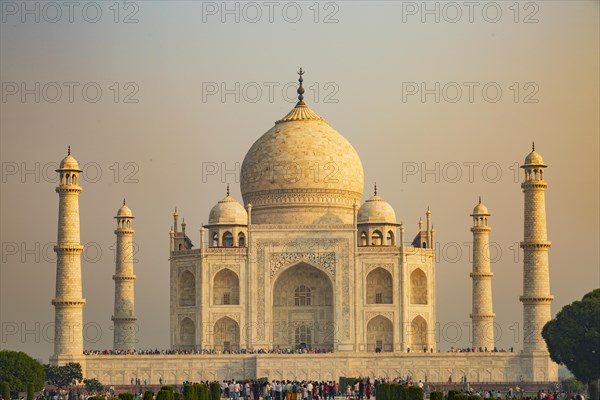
[(68, 303), (482, 316), (124, 315), (536, 280)]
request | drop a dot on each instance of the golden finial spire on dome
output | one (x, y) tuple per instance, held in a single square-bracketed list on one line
[(228, 189), (123, 200), (300, 90), (479, 199), (69, 150), (532, 146), (375, 189), (300, 112)]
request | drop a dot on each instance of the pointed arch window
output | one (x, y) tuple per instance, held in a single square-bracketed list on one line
[(227, 239)]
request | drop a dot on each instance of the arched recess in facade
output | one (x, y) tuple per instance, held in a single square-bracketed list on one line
[(380, 334), (186, 289), (418, 334), (187, 334), (226, 288), (379, 287), (303, 308), (226, 335), (418, 287)]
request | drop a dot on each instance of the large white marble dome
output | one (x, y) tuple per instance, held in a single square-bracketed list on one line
[(302, 171)]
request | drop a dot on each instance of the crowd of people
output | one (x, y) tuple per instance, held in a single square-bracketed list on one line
[(479, 350), (276, 350), (278, 390), (361, 389)]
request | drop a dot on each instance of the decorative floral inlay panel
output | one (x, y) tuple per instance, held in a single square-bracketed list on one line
[(323, 260)]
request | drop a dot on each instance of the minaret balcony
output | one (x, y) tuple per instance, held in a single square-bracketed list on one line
[(69, 189), (123, 319), (79, 302), (481, 274), (536, 245), (124, 277), (536, 299), (482, 316), (535, 185), (65, 248)]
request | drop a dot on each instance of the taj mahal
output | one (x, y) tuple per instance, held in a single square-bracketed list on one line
[(300, 262)]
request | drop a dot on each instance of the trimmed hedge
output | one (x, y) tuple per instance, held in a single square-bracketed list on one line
[(461, 397), (474, 397), (125, 396), (96, 398), (189, 392), (215, 390), (436, 395), (415, 393), (405, 393), (381, 391), (201, 391), (453, 393), (396, 391), (165, 395), (148, 395)]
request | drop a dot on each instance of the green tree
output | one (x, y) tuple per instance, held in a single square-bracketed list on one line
[(572, 385), (5, 391), (64, 375), (93, 385), (148, 395), (18, 369), (30, 391), (573, 338)]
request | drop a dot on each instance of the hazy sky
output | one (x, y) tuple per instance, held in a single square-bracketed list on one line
[(187, 86)]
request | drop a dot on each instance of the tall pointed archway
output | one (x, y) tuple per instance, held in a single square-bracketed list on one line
[(303, 314)]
